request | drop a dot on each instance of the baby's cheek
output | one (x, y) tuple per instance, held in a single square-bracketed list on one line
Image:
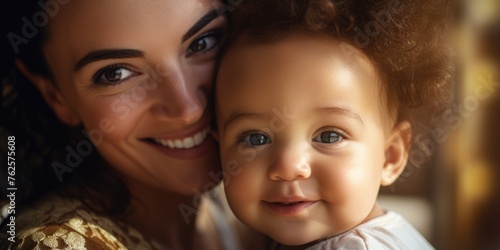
[(241, 184), (243, 190), (345, 177)]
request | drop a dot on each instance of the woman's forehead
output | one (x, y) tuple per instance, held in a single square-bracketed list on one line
[(81, 27), (100, 20)]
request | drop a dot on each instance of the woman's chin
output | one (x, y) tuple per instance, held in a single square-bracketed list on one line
[(197, 182)]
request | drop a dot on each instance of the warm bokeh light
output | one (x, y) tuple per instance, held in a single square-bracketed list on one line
[(475, 220)]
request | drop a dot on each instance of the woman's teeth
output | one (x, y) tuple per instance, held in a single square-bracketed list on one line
[(188, 142)]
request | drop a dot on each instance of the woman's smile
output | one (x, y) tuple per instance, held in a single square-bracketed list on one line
[(183, 143), (196, 143)]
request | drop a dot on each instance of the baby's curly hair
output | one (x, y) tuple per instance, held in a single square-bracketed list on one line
[(405, 39)]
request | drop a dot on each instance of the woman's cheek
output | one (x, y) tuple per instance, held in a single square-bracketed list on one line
[(110, 119)]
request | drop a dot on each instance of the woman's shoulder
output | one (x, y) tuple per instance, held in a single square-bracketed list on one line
[(59, 222)]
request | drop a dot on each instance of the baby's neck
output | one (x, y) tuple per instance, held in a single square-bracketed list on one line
[(283, 247)]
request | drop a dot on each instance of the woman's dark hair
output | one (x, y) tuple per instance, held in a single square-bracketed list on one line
[(42, 142), (405, 39)]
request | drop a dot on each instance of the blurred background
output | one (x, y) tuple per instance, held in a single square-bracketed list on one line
[(450, 190)]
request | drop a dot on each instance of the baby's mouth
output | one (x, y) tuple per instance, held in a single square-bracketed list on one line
[(289, 208), (183, 143), (287, 203)]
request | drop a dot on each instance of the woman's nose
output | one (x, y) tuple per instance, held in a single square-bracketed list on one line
[(290, 164), (179, 97)]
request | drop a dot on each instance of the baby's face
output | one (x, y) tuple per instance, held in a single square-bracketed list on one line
[(303, 129)]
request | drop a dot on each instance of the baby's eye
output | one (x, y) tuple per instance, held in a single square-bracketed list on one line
[(328, 137), (112, 75), (205, 43), (256, 139)]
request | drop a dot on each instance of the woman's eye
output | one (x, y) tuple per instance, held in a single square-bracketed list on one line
[(205, 43), (256, 139), (112, 75), (328, 137)]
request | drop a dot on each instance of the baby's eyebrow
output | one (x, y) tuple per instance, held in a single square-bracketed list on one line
[(238, 117), (345, 111)]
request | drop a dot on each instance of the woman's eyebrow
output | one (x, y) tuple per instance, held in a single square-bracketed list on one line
[(107, 54), (200, 24)]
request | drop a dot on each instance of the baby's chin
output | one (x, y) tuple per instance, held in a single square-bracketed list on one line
[(298, 239), (299, 243), (302, 235)]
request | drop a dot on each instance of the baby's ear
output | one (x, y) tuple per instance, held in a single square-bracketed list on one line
[(396, 152), (52, 96)]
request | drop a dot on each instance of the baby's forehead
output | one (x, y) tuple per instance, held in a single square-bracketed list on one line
[(355, 58), (272, 69), (307, 48)]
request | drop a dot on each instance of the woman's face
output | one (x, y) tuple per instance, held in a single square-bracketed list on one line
[(138, 75)]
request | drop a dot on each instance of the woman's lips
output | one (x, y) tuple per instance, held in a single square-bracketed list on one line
[(208, 145), (289, 208), (189, 145), (186, 142)]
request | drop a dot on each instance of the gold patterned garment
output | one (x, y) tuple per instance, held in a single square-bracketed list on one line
[(61, 223)]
